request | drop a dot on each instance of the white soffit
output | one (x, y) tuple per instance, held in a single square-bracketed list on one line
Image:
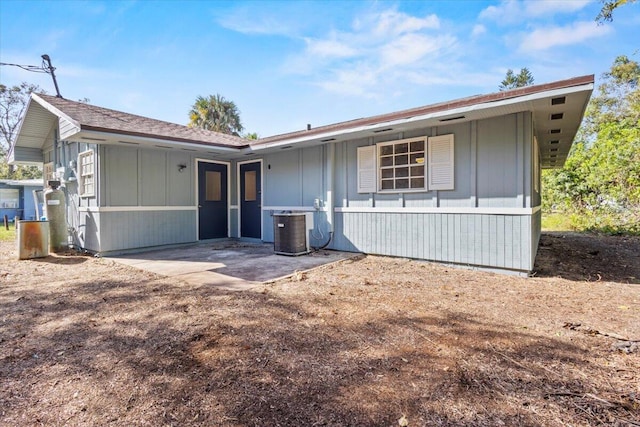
[(35, 126)]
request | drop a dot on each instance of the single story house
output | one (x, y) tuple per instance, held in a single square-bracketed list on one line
[(456, 182), (17, 200)]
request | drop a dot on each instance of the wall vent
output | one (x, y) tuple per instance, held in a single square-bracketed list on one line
[(452, 118)]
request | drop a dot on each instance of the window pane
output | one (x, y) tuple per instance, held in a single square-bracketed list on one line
[(402, 159), (402, 172), (417, 158), (387, 173), (250, 187), (417, 146), (402, 183), (401, 148), (213, 186), (417, 182), (386, 161), (387, 184), (386, 150), (417, 171)]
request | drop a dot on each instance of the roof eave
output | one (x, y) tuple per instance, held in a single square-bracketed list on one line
[(96, 135), (432, 116)]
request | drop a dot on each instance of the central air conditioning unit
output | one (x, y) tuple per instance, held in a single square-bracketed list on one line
[(291, 233)]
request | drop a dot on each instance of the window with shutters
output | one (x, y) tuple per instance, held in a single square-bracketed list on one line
[(414, 164), (86, 178)]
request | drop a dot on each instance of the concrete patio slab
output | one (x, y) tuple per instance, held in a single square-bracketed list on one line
[(229, 265)]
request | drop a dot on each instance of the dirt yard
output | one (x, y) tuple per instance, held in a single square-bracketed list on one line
[(367, 342)]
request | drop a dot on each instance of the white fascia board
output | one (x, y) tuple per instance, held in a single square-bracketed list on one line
[(55, 111), (525, 100), (113, 138)]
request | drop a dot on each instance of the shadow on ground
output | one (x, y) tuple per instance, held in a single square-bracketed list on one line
[(589, 257), (151, 352)]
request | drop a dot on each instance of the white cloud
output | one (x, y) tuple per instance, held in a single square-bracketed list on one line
[(578, 32), (329, 48), (513, 11), (411, 48), (392, 22), (508, 11), (379, 50), (357, 81), (478, 30), (544, 8), (246, 21)]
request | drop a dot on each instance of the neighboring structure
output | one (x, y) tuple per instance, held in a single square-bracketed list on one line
[(457, 182), (16, 198)]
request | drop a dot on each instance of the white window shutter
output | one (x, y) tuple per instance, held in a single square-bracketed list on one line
[(441, 171), (367, 176)]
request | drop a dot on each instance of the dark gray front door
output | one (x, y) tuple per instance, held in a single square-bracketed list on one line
[(250, 200), (212, 201)]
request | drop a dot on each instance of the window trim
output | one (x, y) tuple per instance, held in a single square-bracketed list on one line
[(408, 141), (82, 176)]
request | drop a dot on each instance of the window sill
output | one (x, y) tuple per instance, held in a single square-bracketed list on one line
[(417, 190)]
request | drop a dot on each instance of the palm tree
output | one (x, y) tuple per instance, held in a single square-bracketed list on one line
[(215, 113)]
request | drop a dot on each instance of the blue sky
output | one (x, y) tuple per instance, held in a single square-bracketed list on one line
[(286, 64)]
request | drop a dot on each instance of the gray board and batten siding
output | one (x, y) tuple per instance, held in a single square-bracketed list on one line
[(142, 199), (490, 219)]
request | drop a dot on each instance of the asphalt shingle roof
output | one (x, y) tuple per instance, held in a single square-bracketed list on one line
[(91, 117)]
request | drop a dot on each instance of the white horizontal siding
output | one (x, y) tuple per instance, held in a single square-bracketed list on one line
[(67, 128), (26, 154)]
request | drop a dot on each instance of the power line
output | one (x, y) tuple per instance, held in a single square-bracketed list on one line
[(33, 68), (45, 67)]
